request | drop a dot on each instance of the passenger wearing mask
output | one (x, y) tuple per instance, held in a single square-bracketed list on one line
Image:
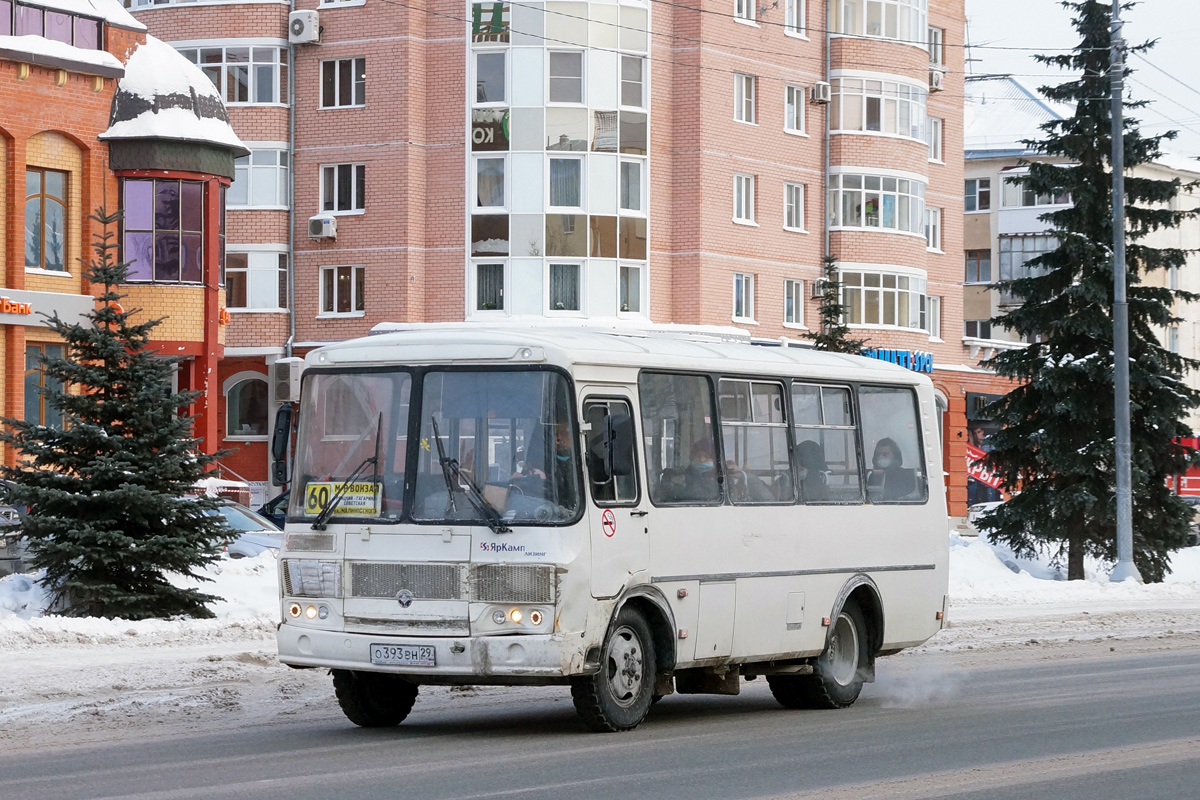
[(695, 483), (812, 474), (889, 480)]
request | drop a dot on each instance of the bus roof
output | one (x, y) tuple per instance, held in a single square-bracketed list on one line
[(707, 350)]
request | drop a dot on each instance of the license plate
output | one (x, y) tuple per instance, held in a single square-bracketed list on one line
[(403, 655)]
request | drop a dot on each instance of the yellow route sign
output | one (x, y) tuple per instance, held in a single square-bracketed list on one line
[(360, 499)]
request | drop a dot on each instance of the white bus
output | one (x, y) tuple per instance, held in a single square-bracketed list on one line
[(630, 514)]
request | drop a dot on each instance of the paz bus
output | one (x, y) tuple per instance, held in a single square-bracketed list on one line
[(627, 513)]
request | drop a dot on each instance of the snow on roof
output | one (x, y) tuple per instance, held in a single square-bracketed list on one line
[(999, 112), (41, 46), (165, 96), (108, 10)]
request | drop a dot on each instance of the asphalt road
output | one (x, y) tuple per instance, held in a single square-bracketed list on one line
[(1122, 727)]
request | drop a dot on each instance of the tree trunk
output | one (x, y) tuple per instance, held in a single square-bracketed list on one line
[(1075, 558)]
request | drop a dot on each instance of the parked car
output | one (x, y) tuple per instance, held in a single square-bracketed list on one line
[(275, 509), (1193, 538), (979, 509), (12, 549), (253, 534)]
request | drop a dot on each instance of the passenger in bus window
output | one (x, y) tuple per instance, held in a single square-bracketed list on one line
[(695, 483), (813, 472), (889, 479)]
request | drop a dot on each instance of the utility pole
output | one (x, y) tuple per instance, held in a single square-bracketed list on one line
[(1124, 569)]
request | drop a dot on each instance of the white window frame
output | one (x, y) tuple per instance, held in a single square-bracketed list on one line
[(263, 252), (503, 103), (473, 288), (354, 181), (933, 133), (795, 18), (745, 90), (633, 212), (251, 173), (912, 20), (1009, 184), (976, 194), (322, 4), (744, 281), (583, 282), (743, 195), (793, 289), (622, 81), (337, 83), (914, 294), (355, 271), (890, 98), (937, 47), (837, 191), (745, 12), (793, 110), (582, 101), (192, 51), (502, 157), (933, 316), (793, 204), (583, 187), (1173, 338), (643, 289), (227, 386), (933, 229)]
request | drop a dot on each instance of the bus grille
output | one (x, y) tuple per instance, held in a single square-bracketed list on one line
[(513, 583), (425, 581), (309, 542)]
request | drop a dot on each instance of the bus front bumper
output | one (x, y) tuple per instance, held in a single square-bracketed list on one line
[(489, 659)]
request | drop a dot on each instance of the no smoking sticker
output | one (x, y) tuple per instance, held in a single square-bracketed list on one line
[(608, 521)]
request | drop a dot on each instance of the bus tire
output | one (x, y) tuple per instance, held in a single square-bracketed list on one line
[(372, 699), (620, 694), (837, 677)]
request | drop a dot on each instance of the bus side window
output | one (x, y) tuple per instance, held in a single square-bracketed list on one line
[(677, 415), (892, 441), (754, 435), (826, 444), (607, 490)]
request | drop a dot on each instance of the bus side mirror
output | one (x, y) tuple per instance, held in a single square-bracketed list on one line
[(280, 441), (618, 444)]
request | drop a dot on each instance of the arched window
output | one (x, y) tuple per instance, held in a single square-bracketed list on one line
[(247, 401)]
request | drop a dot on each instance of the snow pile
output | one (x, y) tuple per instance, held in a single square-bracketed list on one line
[(41, 46)]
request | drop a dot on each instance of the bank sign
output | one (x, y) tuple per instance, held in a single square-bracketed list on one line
[(916, 360), (18, 307)]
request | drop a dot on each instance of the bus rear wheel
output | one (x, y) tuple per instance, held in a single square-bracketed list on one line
[(837, 677), (619, 695), (372, 699)]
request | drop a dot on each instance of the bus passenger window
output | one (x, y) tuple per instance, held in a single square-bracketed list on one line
[(678, 435), (754, 433), (826, 445), (607, 490), (892, 437)]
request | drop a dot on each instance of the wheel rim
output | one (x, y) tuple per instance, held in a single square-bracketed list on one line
[(625, 666), (843, 650)]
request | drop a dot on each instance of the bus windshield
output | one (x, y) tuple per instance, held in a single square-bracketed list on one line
[(352, 425), (512, 436)]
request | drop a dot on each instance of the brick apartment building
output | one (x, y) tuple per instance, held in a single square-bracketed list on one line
[(93, 113), (608, 161)]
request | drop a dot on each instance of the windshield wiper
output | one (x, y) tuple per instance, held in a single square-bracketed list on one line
[(452, 473), (327, 509)]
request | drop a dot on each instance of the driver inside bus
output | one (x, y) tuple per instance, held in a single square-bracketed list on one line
[(558, 479)]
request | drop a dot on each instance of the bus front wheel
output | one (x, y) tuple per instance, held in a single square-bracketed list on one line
[(372, 699), (619, 695), (837, 677)]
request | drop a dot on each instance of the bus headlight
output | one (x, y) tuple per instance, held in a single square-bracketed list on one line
[(516, 616), (498, 617), (303, 578)]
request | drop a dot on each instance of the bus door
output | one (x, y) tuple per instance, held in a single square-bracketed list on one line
[(619, 532)]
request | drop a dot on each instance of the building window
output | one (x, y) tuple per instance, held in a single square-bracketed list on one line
[(489, 287), (743, 296), (793, 109), (793, 17), (37, 383), (343, 82), (793, 206), (256, 280), (53, 24), (490, 23), (1173, 277), (490, 82), (884, 299), (260, 180), (743, 10), (45, 219), (977, 328), (1015, 254), (630, 289), (1018, 194), (342, 291), (932, 317), (490, 184), (633, 82), (979, 266), (859, 104), (934, 135), (743, 198), (793, 303), (933, 228), (565, 286), (743, 97), (1173, 339), (243, 75), (874, 201), (892, 19), (632, 186), (566, 77), (163, 230), (936, 54), (247, 403), (977, 194), (566, 183), (343, 188)]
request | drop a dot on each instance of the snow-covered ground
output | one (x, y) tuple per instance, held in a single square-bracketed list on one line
[(69, 680)]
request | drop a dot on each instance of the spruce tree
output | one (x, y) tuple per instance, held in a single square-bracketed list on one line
[(109, 516), (1056, 438), (833, 335)]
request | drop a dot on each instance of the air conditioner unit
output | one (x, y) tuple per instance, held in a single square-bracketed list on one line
[(303, 27), (285, 375), (322, 227), (937, 80), (820, 92)]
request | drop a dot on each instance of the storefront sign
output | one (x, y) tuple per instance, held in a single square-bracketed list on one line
[(10, 306), (978, 471), (18, 307), (915, 360)]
